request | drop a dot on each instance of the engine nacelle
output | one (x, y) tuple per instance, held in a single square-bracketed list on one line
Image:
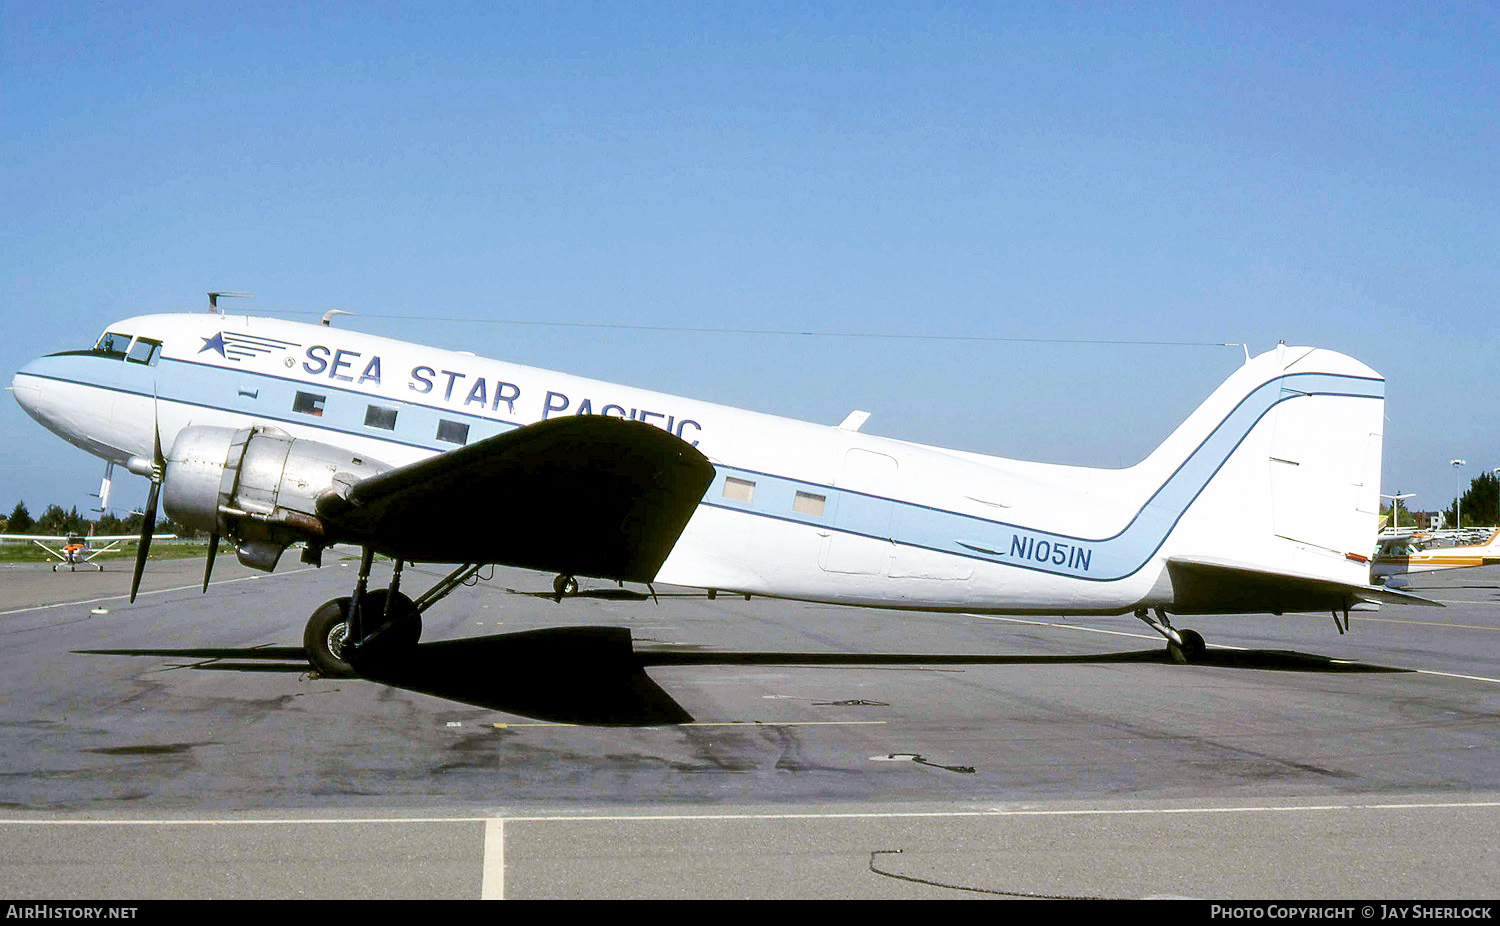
[(258, 486)]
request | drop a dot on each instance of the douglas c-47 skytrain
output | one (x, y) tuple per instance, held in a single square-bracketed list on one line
[(271, 432)]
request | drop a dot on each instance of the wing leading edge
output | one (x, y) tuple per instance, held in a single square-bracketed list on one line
[(582, 495)]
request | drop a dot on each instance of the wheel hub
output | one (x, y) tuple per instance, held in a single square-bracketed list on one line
[(338, 635)]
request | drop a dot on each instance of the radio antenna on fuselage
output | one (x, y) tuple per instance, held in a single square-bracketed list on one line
[(213, 300)]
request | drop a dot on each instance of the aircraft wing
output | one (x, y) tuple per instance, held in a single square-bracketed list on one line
[(1212, 586), (582, 495), (64, 538)]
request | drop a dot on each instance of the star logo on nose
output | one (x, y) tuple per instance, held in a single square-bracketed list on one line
[(214, 343)]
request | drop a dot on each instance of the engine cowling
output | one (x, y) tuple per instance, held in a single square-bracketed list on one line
[(258, 486)]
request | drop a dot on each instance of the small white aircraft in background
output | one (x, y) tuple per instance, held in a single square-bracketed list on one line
[(272, 432), (1400, 556), (74, 550)]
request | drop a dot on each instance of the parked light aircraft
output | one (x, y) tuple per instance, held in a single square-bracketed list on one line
[(76, 550), (271, 432), (1397, 557)]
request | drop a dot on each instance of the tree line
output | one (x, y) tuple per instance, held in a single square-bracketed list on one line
[(1481, 504), (55, 520)]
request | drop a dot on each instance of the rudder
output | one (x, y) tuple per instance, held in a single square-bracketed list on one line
[(1297, 493)]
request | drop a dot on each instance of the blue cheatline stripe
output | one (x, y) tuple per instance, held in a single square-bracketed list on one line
[(1102, 559), (218, 388), (910, 524)]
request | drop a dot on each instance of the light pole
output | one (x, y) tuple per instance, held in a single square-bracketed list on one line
[(1396, 507), (1458, 499)]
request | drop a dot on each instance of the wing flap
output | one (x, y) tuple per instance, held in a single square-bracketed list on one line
[(583, 495), (1212, 586)]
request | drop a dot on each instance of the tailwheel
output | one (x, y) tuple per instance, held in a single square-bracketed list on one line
[(1183, 646), (387, 635), (1191, 650)]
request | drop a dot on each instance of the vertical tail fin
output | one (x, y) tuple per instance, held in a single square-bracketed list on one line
[(1282, 464)]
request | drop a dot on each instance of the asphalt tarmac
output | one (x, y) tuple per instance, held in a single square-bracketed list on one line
[(618, 745)]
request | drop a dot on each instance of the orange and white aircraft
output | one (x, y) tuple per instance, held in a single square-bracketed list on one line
[(1398, 556), (74, 550)]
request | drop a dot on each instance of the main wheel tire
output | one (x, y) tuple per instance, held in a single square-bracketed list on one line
[(327, 632), (565, 585)]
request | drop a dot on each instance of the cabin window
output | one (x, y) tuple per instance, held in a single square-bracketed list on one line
[(144, 350), (113, 344), (454, 432), (808, 503), (739, 490), (309, 404), (378, 416)]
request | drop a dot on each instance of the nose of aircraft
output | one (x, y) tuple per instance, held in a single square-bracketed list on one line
[(71, 395), (40, 389), (26, 386)]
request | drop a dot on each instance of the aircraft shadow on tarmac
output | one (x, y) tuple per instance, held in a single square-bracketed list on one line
[(594, 675)]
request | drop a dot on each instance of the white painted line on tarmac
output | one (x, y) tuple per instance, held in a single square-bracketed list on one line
[(1141, 636), (1467, 678), (157, 591), (1154, 637), (1112, 633), (492, 885), (813, 815), (1417, 623)]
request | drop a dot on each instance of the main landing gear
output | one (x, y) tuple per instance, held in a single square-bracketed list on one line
[(375, 627), (1183, 646)]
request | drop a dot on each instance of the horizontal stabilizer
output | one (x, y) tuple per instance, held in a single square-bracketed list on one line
[(1212, 586)]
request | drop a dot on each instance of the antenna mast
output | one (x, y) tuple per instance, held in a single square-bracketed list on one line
[(213, 300)]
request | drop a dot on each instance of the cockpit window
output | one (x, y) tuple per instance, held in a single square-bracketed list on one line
[(144, 350), (113, 344)]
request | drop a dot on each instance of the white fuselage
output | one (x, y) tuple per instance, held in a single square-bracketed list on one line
[(796, 509)]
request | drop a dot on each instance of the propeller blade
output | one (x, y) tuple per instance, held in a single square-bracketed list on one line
[(148, 526), (208, 567), (158, 461)]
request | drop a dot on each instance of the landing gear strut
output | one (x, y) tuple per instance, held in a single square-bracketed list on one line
[(372, 627), (1183, 646)]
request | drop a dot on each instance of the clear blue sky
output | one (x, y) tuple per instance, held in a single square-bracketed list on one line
[(1321, 173)]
